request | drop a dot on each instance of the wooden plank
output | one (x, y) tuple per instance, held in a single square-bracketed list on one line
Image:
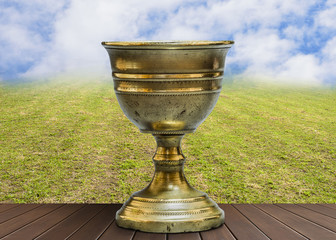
[(5, 207), (331, 212), (267, 224), (218, 234), (16, 211), (113, 231), (97, 225), (28, 217), (318, 218), (149, 236), (42, 224), (240, 226), (333, 206), (299, 224), (71, 224), (184, 236)]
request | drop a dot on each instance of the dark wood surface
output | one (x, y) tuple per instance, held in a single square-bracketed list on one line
[(96, 221)]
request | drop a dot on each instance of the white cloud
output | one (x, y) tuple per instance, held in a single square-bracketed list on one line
[(301, 69), (21, 42), (270, 36), (261, 50), (329, 51), (270, 57), (295, 33), (222, 18), (329, 61), (327, 17), (81, 28)]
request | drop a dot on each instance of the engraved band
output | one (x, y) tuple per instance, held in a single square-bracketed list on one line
[(166, 75)]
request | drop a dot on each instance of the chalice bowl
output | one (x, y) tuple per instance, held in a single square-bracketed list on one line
[(168, 89)]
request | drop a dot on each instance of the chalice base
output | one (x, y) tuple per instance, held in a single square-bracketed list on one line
[(170, 215), (169, 204)]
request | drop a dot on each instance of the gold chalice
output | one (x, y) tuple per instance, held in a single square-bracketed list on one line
[(168, 89)]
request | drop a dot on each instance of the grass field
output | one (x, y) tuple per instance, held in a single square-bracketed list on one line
[(68, 141)]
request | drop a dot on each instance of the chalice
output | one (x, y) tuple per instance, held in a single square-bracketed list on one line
[(168, 89)]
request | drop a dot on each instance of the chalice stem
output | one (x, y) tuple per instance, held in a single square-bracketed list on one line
[(169, 162)]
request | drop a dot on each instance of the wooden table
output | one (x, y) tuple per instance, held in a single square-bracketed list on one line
[(96, 221)]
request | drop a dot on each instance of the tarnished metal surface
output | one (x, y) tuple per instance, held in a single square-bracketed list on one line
[(168, 89)]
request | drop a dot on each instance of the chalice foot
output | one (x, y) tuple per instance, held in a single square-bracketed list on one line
[(169, 204)]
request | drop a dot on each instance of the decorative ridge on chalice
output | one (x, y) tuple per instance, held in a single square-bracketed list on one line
[(168, 89)]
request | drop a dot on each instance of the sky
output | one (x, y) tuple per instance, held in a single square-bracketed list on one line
[(291, 41)]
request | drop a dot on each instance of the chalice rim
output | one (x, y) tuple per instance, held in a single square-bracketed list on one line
[(168, 44)]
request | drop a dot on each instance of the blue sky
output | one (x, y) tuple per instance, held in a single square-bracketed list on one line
[(278, 40)]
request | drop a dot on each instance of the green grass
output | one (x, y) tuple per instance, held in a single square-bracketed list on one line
[(68, 141)]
